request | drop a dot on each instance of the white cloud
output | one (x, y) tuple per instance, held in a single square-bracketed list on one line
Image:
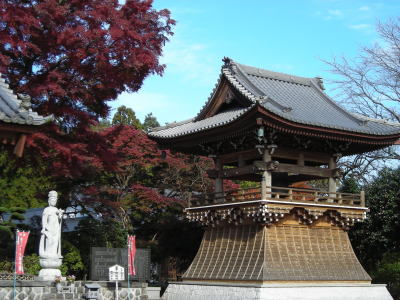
[(360, 26), (186, 59), (332, 14), (335, 12), (364, 8)]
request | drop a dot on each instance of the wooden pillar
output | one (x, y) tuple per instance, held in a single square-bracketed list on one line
[(241, 161), (300, 159), (19, 147), (219, 183), (332, 180), (266, 181)]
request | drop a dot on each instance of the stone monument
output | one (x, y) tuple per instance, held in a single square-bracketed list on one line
[(50, 240)]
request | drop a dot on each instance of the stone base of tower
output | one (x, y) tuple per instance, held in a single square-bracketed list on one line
[(315, 291)]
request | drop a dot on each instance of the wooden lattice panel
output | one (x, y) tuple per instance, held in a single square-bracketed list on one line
[(283, 252)]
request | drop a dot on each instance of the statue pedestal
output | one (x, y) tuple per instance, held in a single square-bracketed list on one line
[(50, 268)]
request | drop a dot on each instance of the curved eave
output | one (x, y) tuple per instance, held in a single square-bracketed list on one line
[(22, 128), (243, 121), (282, 124), (271, 120)]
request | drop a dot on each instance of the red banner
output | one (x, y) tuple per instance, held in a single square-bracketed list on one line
[(22, 239), (131, 254)]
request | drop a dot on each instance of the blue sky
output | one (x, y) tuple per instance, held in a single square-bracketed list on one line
[(291, 36)]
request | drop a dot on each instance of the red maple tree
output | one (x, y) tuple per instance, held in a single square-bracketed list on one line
[(144, 180), (73, 57)]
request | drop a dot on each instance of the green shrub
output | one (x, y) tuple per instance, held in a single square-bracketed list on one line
[(388, 272), (6, 266), (72, 261), (31, 264)]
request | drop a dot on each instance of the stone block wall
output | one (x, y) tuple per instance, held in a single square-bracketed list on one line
[(46, 290)]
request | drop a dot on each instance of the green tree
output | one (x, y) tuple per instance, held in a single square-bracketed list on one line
[(7, 229), (150, 122), (377, 238), (388, 271), (350, 185), (126, 116), (21, 183), (379, 233), (21, 187)]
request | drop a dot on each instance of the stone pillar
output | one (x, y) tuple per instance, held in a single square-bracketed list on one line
[(266, 181), (219, 183), (332, 180)]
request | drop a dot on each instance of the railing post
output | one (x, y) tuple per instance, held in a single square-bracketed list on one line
[(219, 183), (340, 198), (331, 180), (290, 194), (362, 198), (315, 196), (190, 200)]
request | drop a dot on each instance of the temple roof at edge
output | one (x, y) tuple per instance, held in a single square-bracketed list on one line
[(298, 99), (16, 109)]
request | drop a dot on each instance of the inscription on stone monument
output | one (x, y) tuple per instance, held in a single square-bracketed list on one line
[(103, 258)]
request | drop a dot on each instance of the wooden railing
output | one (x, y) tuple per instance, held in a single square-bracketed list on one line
[(280, 194)]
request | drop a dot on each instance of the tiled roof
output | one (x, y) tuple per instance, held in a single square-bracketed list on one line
[(16, 108), (190, 126), (298, 99)]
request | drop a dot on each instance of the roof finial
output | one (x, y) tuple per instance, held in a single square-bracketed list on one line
[(320, 83), (227, 62), (25, 101)]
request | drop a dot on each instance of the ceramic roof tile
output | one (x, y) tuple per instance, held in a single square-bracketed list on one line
[(188, 127), (16, 108), (298, 99), (308, 104)]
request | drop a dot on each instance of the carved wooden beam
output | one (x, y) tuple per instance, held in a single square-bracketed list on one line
[(274, 166), (306, 170), (256, 167), (233, 172), (280, 152)]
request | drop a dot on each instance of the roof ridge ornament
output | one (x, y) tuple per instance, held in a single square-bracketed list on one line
[(229, 64), (25, 101), (320, 83)]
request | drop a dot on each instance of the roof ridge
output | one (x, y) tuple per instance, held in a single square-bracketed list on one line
[(334, 103), (171, 125), (275, 75), (237, 68)]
